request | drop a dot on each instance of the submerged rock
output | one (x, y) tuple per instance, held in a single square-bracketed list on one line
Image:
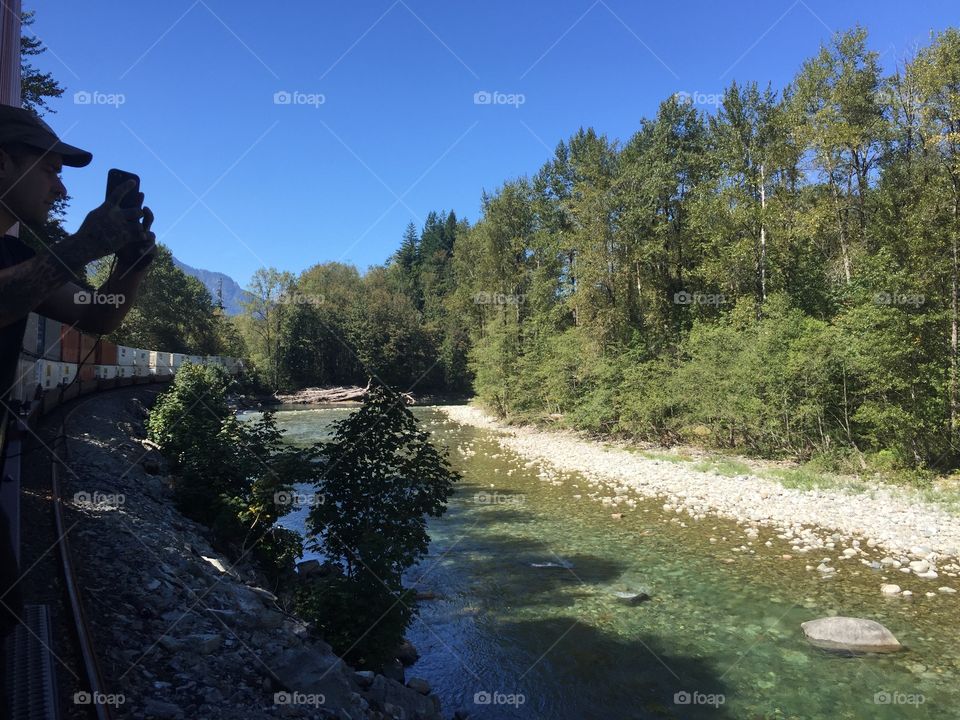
[(850, 634), (631, 598)]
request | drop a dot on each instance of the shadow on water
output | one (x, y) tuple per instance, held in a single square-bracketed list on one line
[(569, 670), (526, 571)]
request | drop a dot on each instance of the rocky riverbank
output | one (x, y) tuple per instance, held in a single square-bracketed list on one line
[(181, 631), (889, 529)]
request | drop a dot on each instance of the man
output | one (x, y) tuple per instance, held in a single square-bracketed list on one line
[(31, 158), (47, 281)]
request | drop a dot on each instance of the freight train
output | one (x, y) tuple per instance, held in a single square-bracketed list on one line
[(55, 355)]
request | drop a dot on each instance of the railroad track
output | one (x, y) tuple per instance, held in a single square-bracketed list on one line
[(51, 666)]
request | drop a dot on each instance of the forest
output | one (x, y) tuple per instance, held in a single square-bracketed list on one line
[(777, 275)]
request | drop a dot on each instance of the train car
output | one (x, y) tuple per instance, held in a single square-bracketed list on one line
[(141, 362), (178, 360), (195, 359), (233, 365)]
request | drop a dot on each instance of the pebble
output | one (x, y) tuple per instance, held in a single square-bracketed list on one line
[(890, 589)]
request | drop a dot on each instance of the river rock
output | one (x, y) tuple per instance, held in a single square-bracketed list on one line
[(419, 685), (313, 670), (890, 589), (919, 566), (850, 634), (946, 589), (407, 653), (161, 710), (631, 598)]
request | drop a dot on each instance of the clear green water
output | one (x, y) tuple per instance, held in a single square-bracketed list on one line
[(561, 639)]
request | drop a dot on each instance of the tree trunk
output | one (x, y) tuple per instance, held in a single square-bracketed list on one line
[(841, 226), (953, 324), (763, 236)]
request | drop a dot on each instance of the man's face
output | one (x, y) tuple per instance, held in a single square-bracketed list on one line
[(30, 184)]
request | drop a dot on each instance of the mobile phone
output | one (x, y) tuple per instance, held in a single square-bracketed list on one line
[(116, 178)]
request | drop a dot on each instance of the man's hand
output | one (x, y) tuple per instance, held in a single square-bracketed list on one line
[(110, 227), (139, 254)]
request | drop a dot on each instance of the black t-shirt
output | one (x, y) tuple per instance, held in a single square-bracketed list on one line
[(12, 252)]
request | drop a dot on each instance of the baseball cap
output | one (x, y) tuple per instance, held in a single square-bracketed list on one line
[(22, 126)]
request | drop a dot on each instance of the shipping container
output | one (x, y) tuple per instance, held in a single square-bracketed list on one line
[(125, 356), (161, 363), (48, 338), (25, 381), (30, 335), (105, 372), (106, 353), (141, 358)]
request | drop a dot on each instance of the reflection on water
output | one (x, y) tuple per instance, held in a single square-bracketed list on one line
[(533, 617)]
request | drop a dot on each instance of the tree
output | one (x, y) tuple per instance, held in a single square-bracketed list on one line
[(174, 312), (383, 478), (236, 477), (35, 87), (270, 298)]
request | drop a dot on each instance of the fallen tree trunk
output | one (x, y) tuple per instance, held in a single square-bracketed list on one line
[(309, 396)]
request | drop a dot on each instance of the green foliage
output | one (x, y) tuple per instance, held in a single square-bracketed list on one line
[(779, 277), (383, 478), (174, 312), (236, 477)]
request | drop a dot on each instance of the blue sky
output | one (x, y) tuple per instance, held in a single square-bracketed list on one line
[(379, 124)]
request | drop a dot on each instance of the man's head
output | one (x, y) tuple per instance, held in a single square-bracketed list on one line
[(31, 158)]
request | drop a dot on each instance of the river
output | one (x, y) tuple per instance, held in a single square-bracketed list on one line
[(527, 623)]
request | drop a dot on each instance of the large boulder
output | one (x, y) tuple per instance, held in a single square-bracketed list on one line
[(314, 670), (850, 634), (385, 692)]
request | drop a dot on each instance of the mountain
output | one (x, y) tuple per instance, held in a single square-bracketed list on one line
[(233, 294)]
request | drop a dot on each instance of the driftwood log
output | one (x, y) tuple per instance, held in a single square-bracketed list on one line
[(310, 396)]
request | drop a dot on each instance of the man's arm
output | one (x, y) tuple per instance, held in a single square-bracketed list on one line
[(105, 230), (100, 312)]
